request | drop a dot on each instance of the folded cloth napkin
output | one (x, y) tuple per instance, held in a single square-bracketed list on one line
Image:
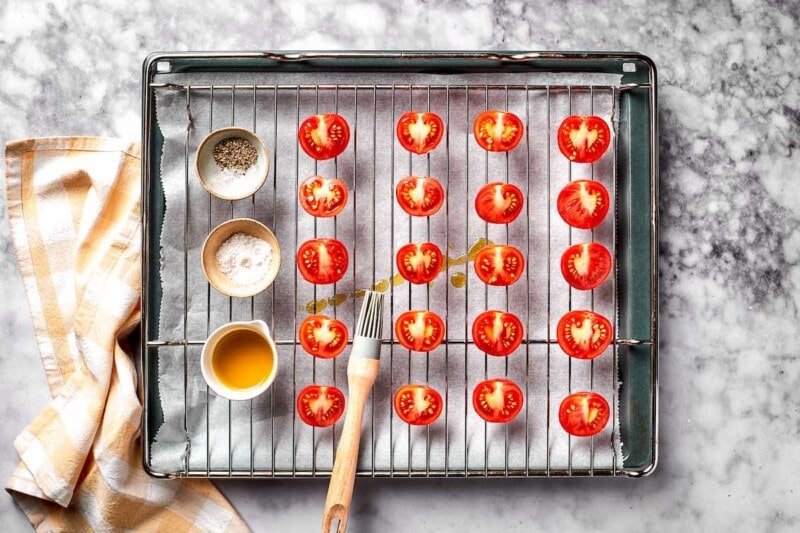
[(74, 211)]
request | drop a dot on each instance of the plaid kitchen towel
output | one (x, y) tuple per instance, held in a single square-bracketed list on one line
[(74, 210)]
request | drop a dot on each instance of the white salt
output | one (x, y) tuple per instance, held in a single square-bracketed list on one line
[(244, 259)]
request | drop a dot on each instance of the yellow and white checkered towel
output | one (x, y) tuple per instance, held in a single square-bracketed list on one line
[(74, 208)]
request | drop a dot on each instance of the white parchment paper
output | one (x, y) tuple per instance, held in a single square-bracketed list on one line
[(212, 433)]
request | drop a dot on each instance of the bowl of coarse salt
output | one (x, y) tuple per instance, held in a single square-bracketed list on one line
[(232, 163), (241, 257)]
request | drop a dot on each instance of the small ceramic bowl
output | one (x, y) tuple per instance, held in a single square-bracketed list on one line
[(207, 354), (225, 184), (218, 236)]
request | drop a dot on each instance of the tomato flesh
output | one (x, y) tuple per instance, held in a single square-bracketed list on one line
[(324, 136), (421, 331), (497, 400), (419, 197), (418, 405), (497, 333), (419, 263), (499, 265), (322, 197), (320, 406), (583, 414), (586, 266), (499, 203), (420, 132), (584, 334), (322, 336), (498, 131), (583, 139), (322, 261), (583, 204)]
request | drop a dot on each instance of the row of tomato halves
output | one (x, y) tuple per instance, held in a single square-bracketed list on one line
[(582, 204)]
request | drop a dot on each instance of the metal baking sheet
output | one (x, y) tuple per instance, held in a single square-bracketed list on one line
[(372, 90)]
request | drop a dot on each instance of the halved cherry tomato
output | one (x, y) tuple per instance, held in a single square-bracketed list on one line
[(583, 414), (499, 203), (322, 197), (322, 336), (583, 204), (418, 405), (420, 132), (322, 261), (586, 266), (324, 136), (498, 131), (583, 139), (584, 334), (421, 331), (499, 265), (320, 406), (419, 197), (419, 263), (497, 333), (497, 400)]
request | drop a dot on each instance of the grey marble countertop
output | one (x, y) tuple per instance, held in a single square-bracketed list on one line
[(730, 236)]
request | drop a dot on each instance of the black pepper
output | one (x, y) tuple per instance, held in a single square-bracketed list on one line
[(235, 153)]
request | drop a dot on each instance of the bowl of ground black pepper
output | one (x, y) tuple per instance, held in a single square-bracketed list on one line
[(232, 163)]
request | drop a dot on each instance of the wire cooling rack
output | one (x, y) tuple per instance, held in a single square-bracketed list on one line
[(267, 428)]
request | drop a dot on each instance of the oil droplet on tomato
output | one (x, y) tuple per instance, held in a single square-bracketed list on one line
[(458, 280)]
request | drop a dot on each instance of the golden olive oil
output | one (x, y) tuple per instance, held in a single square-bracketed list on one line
[(242, 359)]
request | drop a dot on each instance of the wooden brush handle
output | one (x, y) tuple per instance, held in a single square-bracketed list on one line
[(361, 375)]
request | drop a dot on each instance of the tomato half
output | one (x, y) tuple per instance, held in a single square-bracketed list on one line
[(499, 203), (583, 204), (320, 406), (497, 400), (419, 197), (584, 334), (322, 336), (419, 263), (499, 265), (498, 131), (421, 331), (583, 414), (322, 197), (418, 405), (497, 333), (586, 266), (583, 139), (420, 132), (324, 136), (322, 261)]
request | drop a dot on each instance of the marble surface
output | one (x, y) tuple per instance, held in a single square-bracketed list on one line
[(730, 236)]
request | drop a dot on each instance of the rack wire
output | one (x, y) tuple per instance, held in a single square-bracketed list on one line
[(355, 99)]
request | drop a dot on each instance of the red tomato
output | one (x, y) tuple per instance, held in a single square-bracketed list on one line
[(586, 266), (419, 263), (322, 336), (498, 131), (322, 261), (320, 406), (583, 204), (499, 203), (418, 405), (324, 136), (583, 414), (322, 197), (419, 197), (583, 139), (497, 333), (421, 331), (499, 265), (497, 400), (584, 334), (420, 132)]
